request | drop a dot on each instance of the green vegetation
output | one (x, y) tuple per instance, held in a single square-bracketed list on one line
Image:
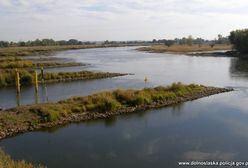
[(26, 67), (43, 42), (39, 50), (192, 41), (239, 39), (98, 105), (7, 76), (31, 64), (7, 162), (81, 75), (107, 101), (184, 48)]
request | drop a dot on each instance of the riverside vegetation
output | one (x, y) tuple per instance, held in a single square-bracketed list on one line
[(7, 162), (96, 106), (10, 61), (7, 77), (40, 50), (182, 49)]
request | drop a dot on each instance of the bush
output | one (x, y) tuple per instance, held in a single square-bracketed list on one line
[(239, 39), (26, 78), (49, 112)]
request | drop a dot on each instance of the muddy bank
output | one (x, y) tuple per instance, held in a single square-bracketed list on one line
[(183, 49), (29, 118)]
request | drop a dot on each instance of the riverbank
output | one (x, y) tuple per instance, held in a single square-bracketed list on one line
[(183, 49), (31, 64), (27, 67), (7, 162), (97, 106), (27, 77), (41, 50), (48, 50)]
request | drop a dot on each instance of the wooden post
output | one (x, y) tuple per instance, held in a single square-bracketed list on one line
[(36, 81), (18, 85), (42, 74)]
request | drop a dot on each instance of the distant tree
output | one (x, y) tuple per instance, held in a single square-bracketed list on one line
[(72, 42), (239, 39), (62, 42), (199, 41), (154, 41), (21, 43), (222, 40), (169, 43), (48, 42), (4, 44), (37, 42), (212, 45), (183, 41), (189, 40)]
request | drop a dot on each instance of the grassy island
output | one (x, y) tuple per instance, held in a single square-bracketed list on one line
[(96, 106), (7, 76), (7, 162), (31, 64)]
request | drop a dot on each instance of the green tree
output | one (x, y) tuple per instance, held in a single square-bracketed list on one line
[(239, 39), (189, 40), (169, 43)]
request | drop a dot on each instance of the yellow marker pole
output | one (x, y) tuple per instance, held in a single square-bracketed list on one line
[(18, 85), (36, 81), (145, 80)]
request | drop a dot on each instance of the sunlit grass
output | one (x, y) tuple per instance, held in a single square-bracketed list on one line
[(184, 48), (7, 162)]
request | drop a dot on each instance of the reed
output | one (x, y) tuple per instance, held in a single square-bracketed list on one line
[(7, 162), (184, 48)]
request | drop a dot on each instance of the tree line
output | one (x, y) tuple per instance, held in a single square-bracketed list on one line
[(239, 39), (42, 42), (191, 41)]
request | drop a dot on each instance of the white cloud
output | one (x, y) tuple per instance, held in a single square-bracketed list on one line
[(119, 20)]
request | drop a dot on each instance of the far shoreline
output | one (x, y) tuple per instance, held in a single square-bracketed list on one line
[(194, 50)]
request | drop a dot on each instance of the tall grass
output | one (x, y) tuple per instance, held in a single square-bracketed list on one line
[(7, 162), (184, 48), (7, 76), (108, 101), (30, 64), (40, 50)]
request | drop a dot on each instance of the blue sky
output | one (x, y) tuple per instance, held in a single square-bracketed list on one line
[(120, 19)]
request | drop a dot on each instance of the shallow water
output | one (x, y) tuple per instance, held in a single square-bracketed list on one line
[(211, 128)]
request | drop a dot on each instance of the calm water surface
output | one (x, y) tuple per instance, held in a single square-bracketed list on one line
[(211, 128)]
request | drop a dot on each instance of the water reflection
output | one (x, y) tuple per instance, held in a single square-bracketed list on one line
[(159, 69), (156, 139), (239, 67), (214, 127), (18, 99)]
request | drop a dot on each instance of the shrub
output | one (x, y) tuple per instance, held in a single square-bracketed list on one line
[(239, 39), (26, 78)]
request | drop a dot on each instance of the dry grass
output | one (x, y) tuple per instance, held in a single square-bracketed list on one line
[(7, 76), (7, 162), (184, 48), (42, 50), (99, 102)]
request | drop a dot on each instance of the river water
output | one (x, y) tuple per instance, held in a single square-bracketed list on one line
[(211, 128)]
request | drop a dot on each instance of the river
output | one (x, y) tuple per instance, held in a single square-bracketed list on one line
[(211, 128)]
